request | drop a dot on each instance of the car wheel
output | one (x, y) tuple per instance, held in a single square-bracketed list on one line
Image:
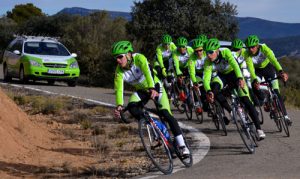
[(51, 82), (7, 78), (72, 83), (22, 76)]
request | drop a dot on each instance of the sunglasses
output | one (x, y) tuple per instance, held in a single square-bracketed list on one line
[(119, 56), (251, 47), (209, 52), (196, 51)]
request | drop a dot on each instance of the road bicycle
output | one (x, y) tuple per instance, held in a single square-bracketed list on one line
[(158, 141), (216, 111)]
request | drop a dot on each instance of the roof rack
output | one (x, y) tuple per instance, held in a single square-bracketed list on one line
[(39, 36)]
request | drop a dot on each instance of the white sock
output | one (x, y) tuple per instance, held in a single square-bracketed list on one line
[(179, 140)]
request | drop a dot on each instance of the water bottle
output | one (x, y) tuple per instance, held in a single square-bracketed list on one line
[(162, 127)]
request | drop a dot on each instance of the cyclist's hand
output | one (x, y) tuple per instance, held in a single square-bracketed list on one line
[(210, 97), (284, 76), (117, 112), (241, 83), (153, 93), (164, 72)]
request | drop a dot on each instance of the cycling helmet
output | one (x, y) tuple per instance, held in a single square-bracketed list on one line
[(202, 37), (181, 42), (196, 43), (251, 41), (166, 39), (121, 47), (237, 44), (212, 44)]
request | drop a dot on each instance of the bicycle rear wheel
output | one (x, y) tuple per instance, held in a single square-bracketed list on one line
[(175, 95), (155, 147), (244, 131), (199, 116), (284, 123), (189, 103)]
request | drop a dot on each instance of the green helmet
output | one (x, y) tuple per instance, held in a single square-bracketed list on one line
[(203, 37), (181, 42), (237, 44), (166, 39), (121, 47), (196, 43), (212, 44), (251, 41)]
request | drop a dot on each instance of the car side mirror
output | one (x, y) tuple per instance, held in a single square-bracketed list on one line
[(74, 55), (17, 52)]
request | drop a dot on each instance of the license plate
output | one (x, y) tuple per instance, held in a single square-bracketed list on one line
[(60, 72)]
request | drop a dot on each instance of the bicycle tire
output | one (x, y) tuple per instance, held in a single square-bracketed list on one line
[(159, 154), (244, 133), (284, 123), (187, 161), (260, 114), (220, 113), (214, 116), (276, 118), (175, 98), (199, 116), (189, 104)]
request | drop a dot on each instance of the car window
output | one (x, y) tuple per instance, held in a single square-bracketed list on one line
[(17, 46), (45, 48)]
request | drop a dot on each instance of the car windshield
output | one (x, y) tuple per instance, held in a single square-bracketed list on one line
[(45, 48)]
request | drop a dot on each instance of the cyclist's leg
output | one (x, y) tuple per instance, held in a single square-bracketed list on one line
[(135, 104), (216, 86)]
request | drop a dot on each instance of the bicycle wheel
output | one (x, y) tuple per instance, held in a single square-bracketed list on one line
[(284, 123), (214, 116), (155, 147), (187, 161), (244, 131), (189, 103), (176, 102), (199, 116), (260, 114), (220, 113), (275, 116)]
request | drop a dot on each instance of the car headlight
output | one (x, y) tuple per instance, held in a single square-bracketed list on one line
[(74, 65), (34, 63)]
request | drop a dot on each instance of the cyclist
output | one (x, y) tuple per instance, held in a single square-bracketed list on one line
[(133, 68), (163, 54), (203, 37), (196, 67), (179, 61), (222, 61), (239, 52), (262, 62)]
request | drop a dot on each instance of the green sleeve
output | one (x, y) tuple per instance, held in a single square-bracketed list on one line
[(176, 64), (250, 66), (118, 85), (207, 74), (173, 47), (192, 70), (270, 55), (141, 61), (159, 56), (233, 63)]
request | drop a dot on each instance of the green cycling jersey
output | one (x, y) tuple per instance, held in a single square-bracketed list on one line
[(180, 60), (264, 56), (138, 75), (224, 64), (162, 54), (196, 66)]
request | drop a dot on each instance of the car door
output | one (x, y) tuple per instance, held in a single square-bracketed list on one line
[(13, 59)]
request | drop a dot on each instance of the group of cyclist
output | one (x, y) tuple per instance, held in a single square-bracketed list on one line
[(205, 62)]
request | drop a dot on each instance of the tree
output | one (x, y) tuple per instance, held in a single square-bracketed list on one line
[(22, 12), (7, 29), (152, 18)]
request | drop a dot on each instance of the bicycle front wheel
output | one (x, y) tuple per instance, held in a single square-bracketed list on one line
[(220, 113), (284, 123), (244, 131), (155, 147)]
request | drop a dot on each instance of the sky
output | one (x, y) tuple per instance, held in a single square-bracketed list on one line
[(273, 10)]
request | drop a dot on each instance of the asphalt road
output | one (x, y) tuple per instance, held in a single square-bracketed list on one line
[(276, 157)]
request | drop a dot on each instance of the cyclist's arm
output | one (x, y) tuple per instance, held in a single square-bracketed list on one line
[(207, 74), (143, 64), (270, 55), (159, 57), (176, 64), (192, 70), (233, 63), (250, 67), (118, 86)]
